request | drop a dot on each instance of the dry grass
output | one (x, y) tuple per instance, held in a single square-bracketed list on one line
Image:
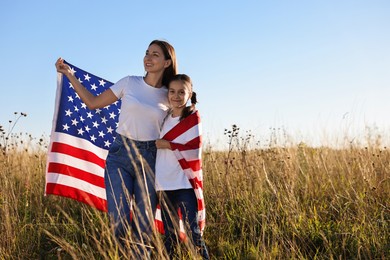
[(278, 202)]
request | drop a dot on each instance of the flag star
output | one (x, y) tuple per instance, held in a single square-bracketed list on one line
[(116, 103), (116, 124), (93, 86), (95, 124), (65, 127), (72, 71), (101, 134), (93, 138), (70, 98), (75, 122), (68, 112), (76, 109), (80, 80), (70, 85), (107, 107), (87, 77), (107, 143), (77, 96), (83, 105), (110, 130), (112, 115), (80, 131), (104, 120), (98, 110), (87, 128), (102, 82), (89, 115), (119, 110), (82, 119)]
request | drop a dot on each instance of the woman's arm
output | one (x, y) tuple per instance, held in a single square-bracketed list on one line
[(104, 99)]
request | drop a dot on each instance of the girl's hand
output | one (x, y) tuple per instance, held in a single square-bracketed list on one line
[(162, 144), (62, 67)]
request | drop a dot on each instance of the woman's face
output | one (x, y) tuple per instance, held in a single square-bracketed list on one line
[(178, 94), (154, 60)]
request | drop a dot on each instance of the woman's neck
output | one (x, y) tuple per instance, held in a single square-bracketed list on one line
[(153, 80)]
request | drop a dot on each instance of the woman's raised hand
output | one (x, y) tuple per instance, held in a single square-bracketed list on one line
[(62, 67)]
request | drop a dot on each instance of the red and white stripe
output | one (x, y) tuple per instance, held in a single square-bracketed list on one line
[(75, 169)]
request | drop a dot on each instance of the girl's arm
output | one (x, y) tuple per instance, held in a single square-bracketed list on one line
[(163, 144), (104, 99)]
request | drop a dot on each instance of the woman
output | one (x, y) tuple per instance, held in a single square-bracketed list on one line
[(130, 163), (179, 167)]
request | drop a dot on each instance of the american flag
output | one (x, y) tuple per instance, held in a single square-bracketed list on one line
[(79, 142)]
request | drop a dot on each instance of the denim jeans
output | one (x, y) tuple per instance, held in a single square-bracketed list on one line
[(186, 200), (129, 166)]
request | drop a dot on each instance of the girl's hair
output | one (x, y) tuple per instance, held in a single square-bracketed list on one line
[(169, 54), (186, 80)]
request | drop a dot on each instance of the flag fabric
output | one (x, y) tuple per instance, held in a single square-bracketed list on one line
[(189, 157), (79, 142)]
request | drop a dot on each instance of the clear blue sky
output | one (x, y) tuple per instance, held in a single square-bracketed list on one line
[(314, 68)]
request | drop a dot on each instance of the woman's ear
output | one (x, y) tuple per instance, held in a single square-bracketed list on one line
[(167, 63)]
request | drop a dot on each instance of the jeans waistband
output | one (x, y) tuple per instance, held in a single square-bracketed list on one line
[(138, 144)]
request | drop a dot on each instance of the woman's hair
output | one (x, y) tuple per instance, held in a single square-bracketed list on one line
[(186, 80), (169, 54)]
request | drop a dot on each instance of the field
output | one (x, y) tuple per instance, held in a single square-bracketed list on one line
[(275, 202)]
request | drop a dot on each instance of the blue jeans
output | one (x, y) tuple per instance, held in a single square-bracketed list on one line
[(129, 166), (186, 200)]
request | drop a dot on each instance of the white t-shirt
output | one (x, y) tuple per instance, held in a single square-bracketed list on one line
[(169, 174), (143, 108)]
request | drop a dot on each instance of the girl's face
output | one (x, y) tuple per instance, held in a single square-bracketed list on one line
[(154, 60), (178, 94)]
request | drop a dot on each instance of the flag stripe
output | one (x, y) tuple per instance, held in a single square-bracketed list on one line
[(78, 153), (76, 194), (79, 143), (76, 183), (77, 163), (76, 173), (192, 120), (193, 165)]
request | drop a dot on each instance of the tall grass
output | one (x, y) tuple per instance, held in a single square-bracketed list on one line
[(275, 202)]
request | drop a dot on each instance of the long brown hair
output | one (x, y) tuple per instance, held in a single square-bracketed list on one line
[(169, 54)]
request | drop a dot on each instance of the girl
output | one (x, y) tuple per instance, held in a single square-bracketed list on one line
[(179, 167), (130, 163)]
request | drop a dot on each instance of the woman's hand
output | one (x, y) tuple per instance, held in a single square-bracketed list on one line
[(163, 144), (62, 67)]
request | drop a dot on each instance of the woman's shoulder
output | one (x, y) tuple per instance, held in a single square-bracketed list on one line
[(129, 81), (131, 78)]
